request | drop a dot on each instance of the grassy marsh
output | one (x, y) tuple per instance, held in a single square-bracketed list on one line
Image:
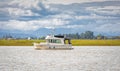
[(74, 42)]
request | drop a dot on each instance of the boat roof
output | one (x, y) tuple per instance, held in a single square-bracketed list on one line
[(59, 36), (56, 37), (51, 37)]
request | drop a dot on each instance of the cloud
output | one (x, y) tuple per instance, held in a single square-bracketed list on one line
[(72, 1), (73, 26), (31, 15), (21, 12), (26, 4), (32, 25), (107, 10), (108, 28), (27, 9), (94, 17), (62, 16)]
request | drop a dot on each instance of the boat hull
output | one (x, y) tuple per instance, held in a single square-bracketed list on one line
[(52, 47)]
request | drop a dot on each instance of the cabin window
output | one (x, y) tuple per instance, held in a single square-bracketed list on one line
[(58, 41), (54, 41)]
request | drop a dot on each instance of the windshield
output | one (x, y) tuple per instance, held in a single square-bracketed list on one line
[(54, 41)]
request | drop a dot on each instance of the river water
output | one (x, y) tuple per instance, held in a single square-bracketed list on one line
[(82, 58)]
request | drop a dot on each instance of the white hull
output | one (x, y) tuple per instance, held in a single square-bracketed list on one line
[(45, 46)]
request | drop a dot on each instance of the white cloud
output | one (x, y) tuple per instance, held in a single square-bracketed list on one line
[(21, 7), (17, 25), (72, 1), (105, 28), (94, 16), (63, 16), (108, 10), (73, 26), (26, 4), (32, 25), (20, 12), (108, 28)]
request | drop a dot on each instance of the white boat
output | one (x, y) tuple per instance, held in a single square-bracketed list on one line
[(54, 43)]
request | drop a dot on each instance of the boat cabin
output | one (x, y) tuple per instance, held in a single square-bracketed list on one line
[(57, 40), (54, 42)]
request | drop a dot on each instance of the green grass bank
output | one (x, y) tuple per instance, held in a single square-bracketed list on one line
[(74, 42)]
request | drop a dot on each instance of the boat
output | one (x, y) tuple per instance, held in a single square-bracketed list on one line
[(54, 42)]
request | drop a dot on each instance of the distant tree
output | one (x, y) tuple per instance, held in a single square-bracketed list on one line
[(100, 36), (82, 36), (7, 36), (89, 35), (85, 35), (33, 37), (42, 37), (115, 37), (77, 36)]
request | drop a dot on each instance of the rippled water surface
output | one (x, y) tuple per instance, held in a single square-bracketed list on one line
[(82, 58)]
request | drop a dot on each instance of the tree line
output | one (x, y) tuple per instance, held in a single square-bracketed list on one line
[(88, 35), (84, 35)]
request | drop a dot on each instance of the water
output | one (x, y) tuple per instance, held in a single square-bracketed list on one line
[(82, 58)]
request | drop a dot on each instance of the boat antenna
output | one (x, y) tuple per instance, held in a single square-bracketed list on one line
[(53, 31)]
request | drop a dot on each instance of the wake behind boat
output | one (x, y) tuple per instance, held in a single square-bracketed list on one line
[(54, 43)]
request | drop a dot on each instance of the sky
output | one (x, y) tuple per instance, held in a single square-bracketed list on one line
[(38, 17)]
